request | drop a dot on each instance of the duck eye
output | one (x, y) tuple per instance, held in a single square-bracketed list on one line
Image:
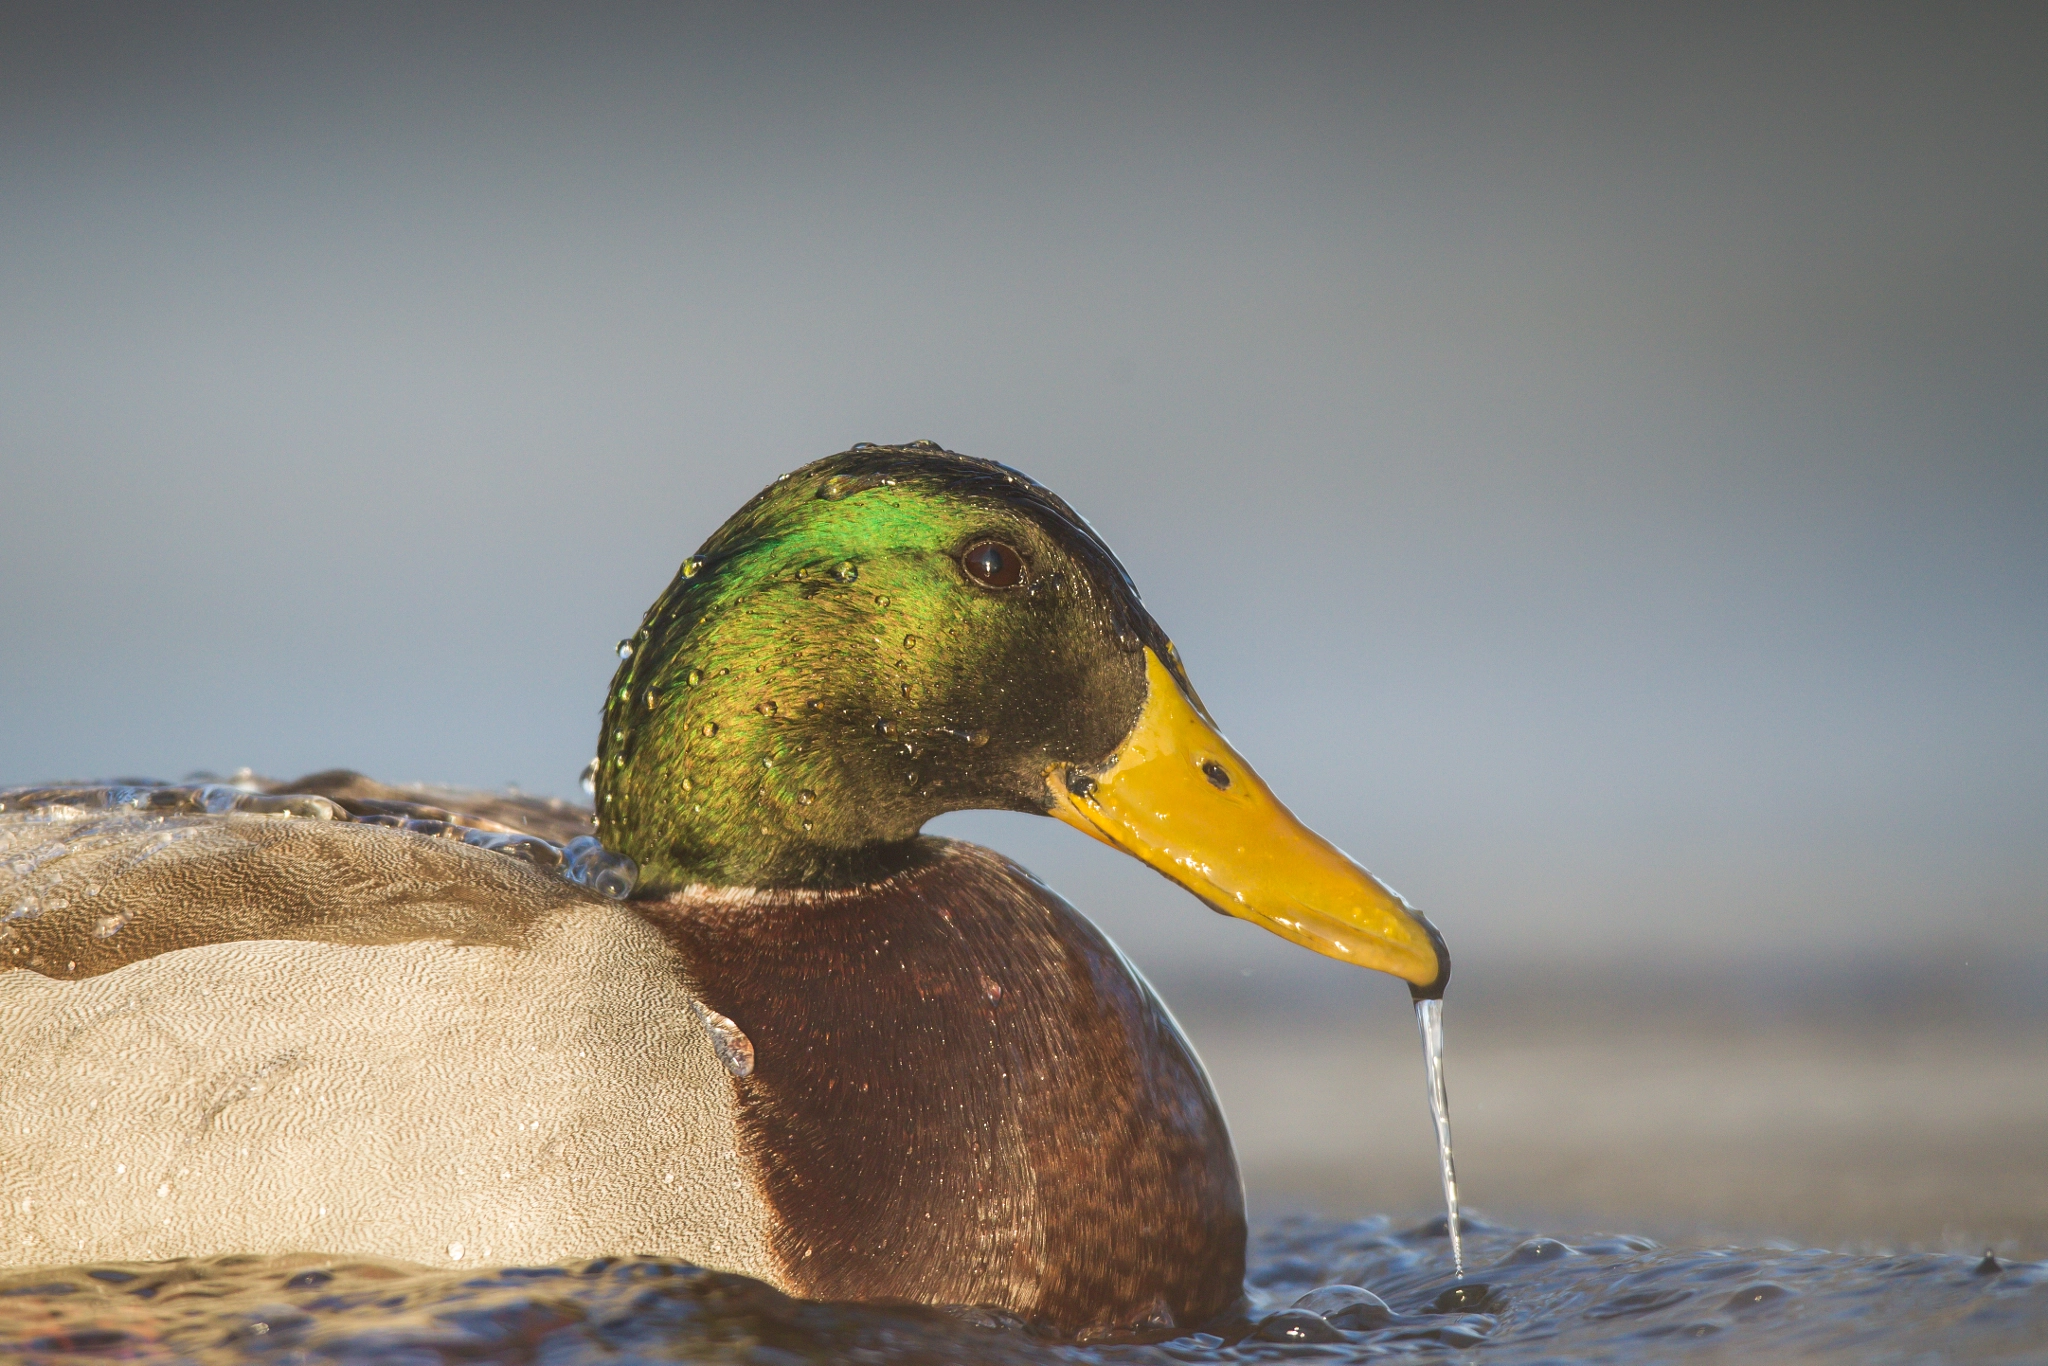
[(993, 565)]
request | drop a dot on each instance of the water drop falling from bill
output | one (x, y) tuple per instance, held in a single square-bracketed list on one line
[(1429, 1021)]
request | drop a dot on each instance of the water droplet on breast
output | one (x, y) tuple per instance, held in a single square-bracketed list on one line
[(710, 729), (728, 1040), (692, 567), (847, 571), (806, 797), (910, 642), (885, 727), (625, 649), (696, 677), (589, 779), (767, 708), (882, 600), (587, 863)]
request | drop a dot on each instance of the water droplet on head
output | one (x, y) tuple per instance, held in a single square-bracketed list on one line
[(589, 780), (807, 827), (692, 567), (625, 649), (687, 784), (885, 727), (695, 678), (910, 642), (767, 708), (625, 694), (881, 599), (846, 572), (710, 729), (911, 778), (977, 737), (806, 797)]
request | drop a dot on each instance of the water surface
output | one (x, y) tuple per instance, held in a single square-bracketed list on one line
[(1527, 1299)]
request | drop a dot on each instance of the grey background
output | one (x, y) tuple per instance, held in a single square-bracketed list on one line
[(1592, 458)]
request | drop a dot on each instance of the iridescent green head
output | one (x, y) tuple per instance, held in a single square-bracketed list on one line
[(899, 631), (882, 636)]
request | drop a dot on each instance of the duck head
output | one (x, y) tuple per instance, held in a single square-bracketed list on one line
[(896, 632)]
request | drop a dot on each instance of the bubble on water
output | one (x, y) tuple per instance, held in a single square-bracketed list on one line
[(728, 1040), (1295, 1325), (1538, 1250), (1351, 1307), (587, 863)]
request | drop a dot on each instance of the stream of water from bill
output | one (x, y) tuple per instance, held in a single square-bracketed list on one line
[(1429, 1022)]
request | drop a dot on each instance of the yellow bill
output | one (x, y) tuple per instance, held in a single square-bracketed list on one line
[(1177, 797)]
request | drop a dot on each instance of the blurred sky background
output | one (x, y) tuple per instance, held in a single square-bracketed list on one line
[(1594, 460)]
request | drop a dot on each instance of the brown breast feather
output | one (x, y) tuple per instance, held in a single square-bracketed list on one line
[(963, 1094)]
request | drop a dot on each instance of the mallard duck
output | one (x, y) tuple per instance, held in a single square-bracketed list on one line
[(763, 1024)]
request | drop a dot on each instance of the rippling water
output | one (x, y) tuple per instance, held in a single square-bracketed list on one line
[(1528, 1300)]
